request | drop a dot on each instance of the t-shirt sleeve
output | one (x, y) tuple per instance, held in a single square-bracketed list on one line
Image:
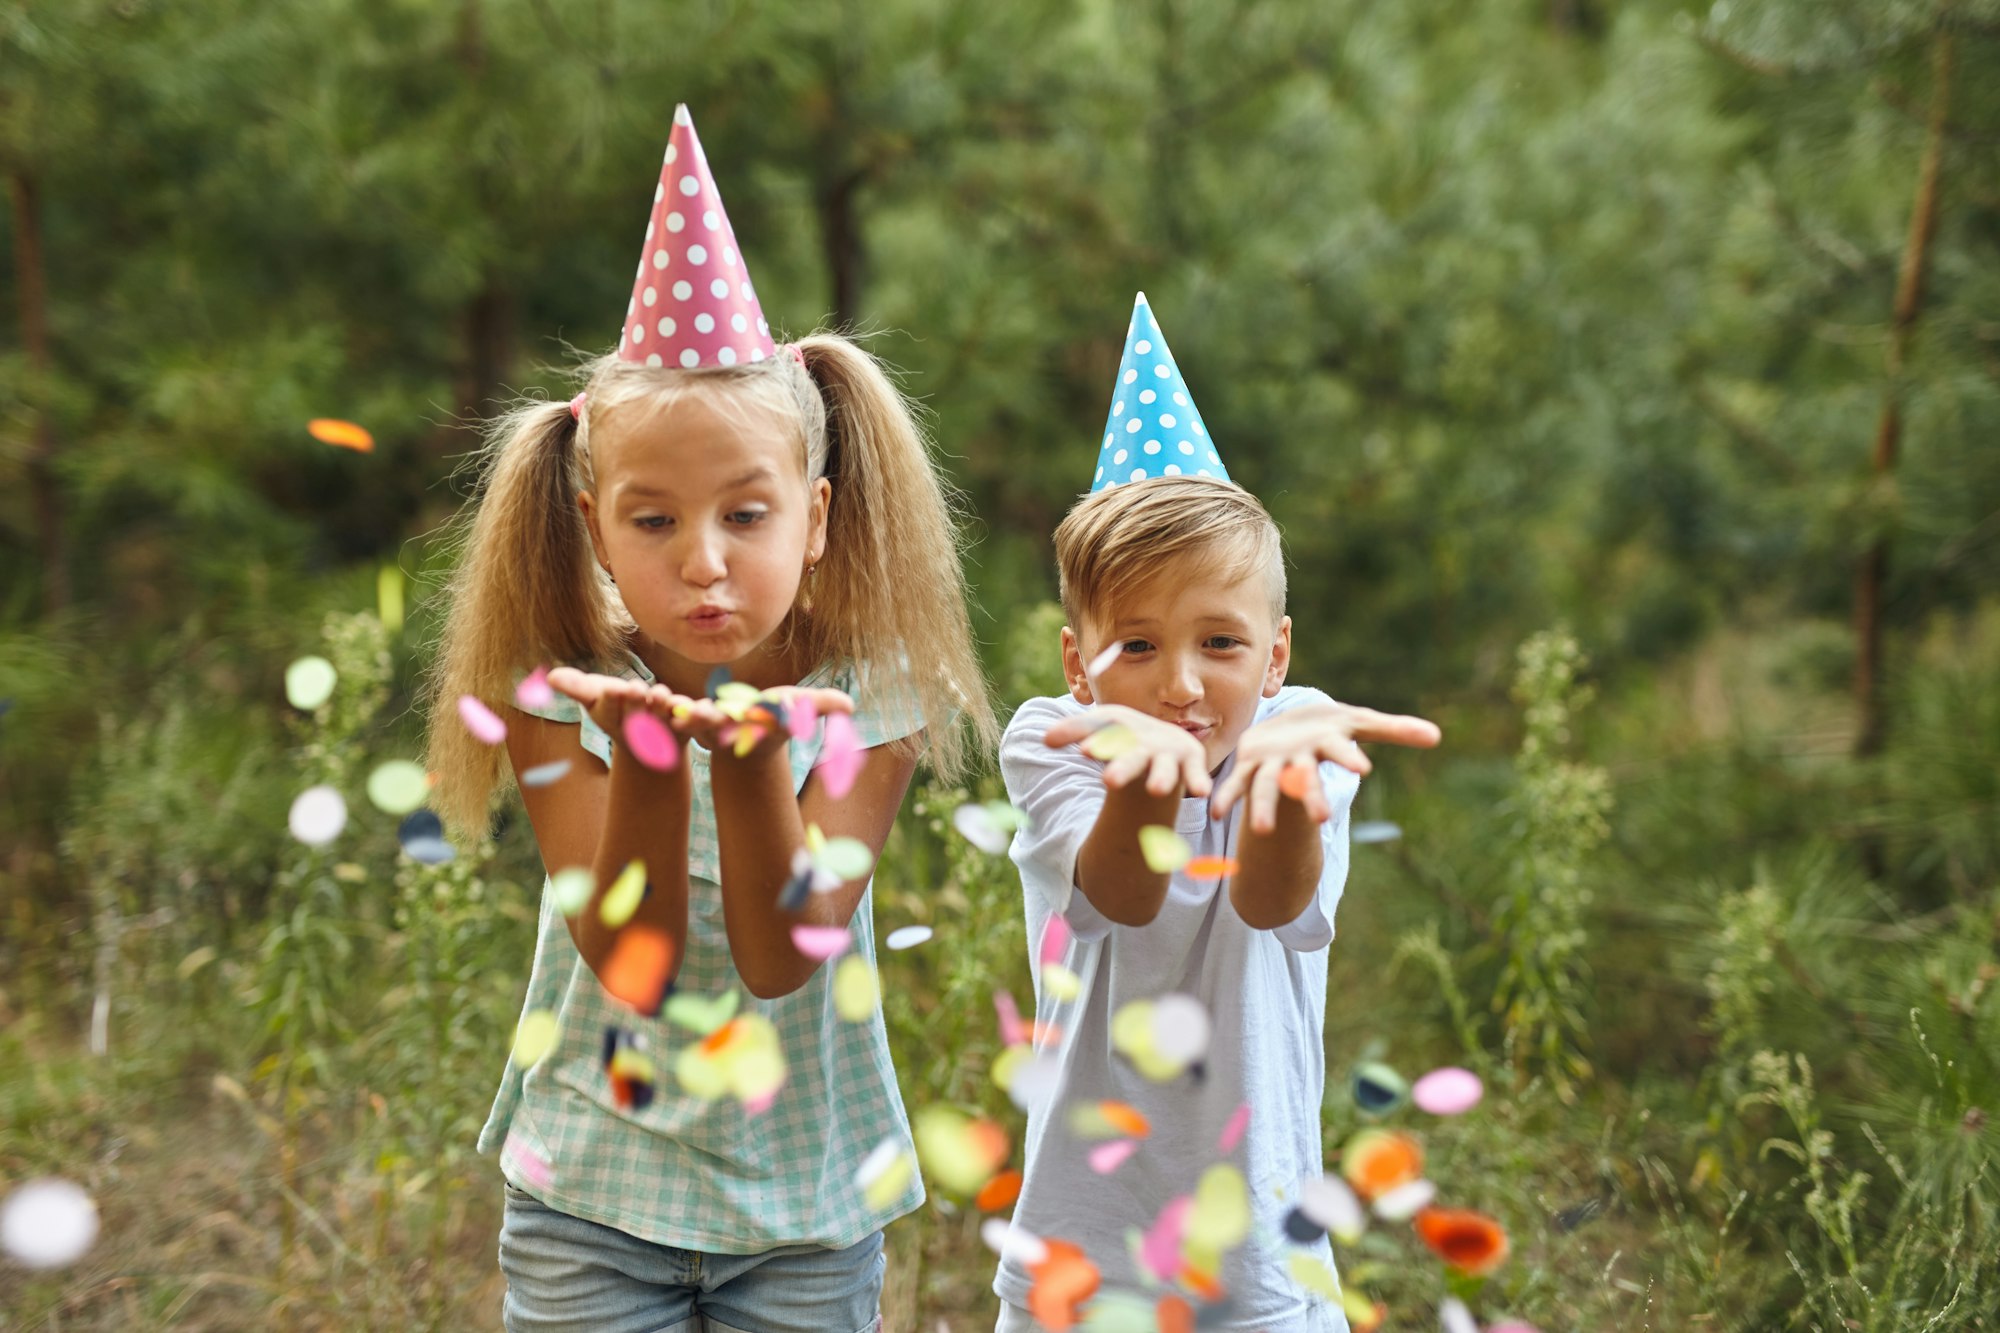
[(1061, 792), (566, 710), (1313, 928)]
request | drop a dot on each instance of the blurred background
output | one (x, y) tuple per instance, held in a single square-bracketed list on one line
[(1624, 373)]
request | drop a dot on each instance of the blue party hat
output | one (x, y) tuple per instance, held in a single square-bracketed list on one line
[(1154, 429)]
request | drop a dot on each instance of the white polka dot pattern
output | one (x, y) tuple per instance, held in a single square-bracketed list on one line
[(1147, 357)]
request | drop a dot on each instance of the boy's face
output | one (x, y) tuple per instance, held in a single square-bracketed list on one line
[(1197, 649)]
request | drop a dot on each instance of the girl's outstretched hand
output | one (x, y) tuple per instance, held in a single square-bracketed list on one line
[(747, 731), (611, 699)]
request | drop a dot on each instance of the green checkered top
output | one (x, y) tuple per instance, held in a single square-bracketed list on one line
[(704, 1175)]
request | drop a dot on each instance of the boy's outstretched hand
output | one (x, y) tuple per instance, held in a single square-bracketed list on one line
[(1164, 754), (1298, 739)]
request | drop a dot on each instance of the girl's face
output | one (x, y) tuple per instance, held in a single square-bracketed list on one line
[(705, 519)]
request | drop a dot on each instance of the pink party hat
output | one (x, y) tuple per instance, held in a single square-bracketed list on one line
[(692, 302)]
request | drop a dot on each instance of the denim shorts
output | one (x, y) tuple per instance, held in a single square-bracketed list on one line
[(565, 1273)]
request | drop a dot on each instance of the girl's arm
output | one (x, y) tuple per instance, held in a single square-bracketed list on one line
[(605, 819), (761, 825)]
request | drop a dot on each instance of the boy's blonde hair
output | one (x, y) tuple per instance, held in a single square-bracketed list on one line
[(1115, 542), (888, 593)]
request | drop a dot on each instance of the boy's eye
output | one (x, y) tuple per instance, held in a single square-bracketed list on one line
[(1135, 645), (1223, 641)]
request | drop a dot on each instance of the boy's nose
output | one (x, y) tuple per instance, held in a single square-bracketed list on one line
[(1182, 686)]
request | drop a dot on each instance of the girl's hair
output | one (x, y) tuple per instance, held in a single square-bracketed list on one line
[(887, 596)]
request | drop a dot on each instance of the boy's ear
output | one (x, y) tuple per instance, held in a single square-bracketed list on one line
[(1073, 672), (587, 502), (1281, 659)]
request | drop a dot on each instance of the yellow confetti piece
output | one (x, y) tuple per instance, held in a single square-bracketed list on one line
[(389, 598), (1007, 1064), (1165, 850), (621, 900), (883, 1178), (535, 1037), (856, 990), (1309, 1272), (960, 1153), (1107, 743), (735, 698), (1061, 984), (1220, 1218)]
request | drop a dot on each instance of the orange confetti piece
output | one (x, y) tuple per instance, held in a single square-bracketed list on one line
[(1174, 1315), (341, 434), (999, 1192), (720, 1040), (635, 973), (987, 1141), (1293, 781), (1470, 1242), (1127, 1121), (1210, 867), (1206, 1287), (1376, 1161), (1059, 1285)]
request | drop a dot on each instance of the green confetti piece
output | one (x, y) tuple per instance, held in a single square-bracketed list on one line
[(309, 682), (398, 787)]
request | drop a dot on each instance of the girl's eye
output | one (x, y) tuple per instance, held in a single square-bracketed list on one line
[(652, 522), (743, 518)]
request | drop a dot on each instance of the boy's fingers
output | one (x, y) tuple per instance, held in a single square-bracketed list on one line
[(1231, 789), (1126, 767), (1072, 729), (1395, 729), (1264, 798), (1343, 751), (1311, 794), (1194, 770), (1163, 774)]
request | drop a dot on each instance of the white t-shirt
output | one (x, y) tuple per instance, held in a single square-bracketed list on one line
[(1265, 991)]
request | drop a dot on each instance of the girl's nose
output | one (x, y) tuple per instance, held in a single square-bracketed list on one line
[(701, 561)]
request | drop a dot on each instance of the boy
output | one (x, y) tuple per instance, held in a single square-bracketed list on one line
[(1174, 589)]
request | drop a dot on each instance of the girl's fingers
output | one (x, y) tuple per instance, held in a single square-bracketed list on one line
[(1264, 797), (830, 701), (581, 686), (1163, 775)]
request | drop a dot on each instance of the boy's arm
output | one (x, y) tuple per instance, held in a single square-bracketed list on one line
[(1144, 783), (1280, 854)]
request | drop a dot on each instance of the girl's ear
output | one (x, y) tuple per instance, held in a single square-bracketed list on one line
[(1073, 672), (587, 502), (820, 497), (1281, 659)]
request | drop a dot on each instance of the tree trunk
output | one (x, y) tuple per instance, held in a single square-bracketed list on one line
[(487, 328), (1874, 569), (846, 250), (44, 495)]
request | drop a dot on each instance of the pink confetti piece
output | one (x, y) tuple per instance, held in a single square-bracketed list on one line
[(801, 717), (759, 1104), (1232, 1133), (534, 691), (1055, 940), (1103, 661), (486, 728), (1160, 1250), (650, 742), (533, 1168), (1012, 1031), (820, 942), (1447, 1091), (840, 755), (1108, 1157)]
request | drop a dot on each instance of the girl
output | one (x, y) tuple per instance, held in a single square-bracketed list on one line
[(710, 501)]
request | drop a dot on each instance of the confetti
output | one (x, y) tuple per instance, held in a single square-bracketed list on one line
[(988, 825), (531, 1165), (1447, 1091), (856, 989), (700, 1015), (1471, 1242), (1210, 867), (742, 1058), (421, 835), (1055, 941), (885, 1173), (317, 816), (1107, 743), (1012, 1242), (1373, 831), (389, 598), (1405, 1201), (1330, 1203), (1311, 1272), (534, 690), (908, 937), (1104, 661), (957, 1151), (542, 775), (840, 755), (1108, 1120), (1160, 1248), (1453, 1317), (1232, 1133), (1181, 1029), (1165, 850), (1060, 1285), (1511, 1326), (820, 943), (717, 678), (534, 1037), (838, 860), (1108, 1157), (485, 726), (1060, 984), (48, 1223), (999, 1192), (1012, 1031), (309, 683), (1220, 1217), (650, 742), (1377, 1089), (636, 971), (1032, 1082), (1295, 780), (630, 1069), (1376, 1161), (622, 899), (572, 887), (398, 787), (341, 434), (1132, 1036)]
